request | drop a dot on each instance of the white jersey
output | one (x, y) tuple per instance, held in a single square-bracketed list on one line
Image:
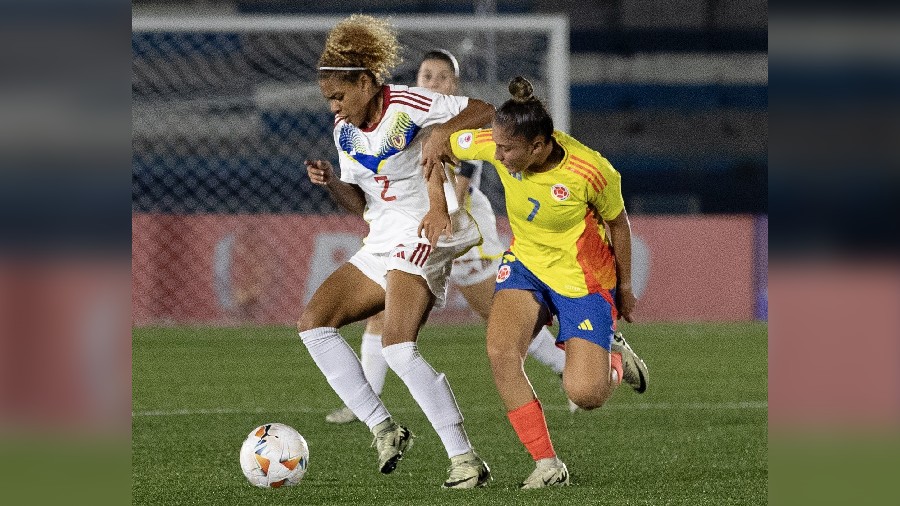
[(476, 168), (385, 162)]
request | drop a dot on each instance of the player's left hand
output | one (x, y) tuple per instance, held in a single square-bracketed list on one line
[(435, 224), (625, 301)]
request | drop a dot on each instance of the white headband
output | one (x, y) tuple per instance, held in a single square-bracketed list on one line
[(343, 68)]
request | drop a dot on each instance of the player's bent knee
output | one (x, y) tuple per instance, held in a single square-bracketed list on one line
[(389, 337), (304, 323), (586, 401), (587, 396), (501, 356), (311, 320)]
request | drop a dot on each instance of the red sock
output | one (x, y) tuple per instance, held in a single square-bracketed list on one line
[(615, 362), (531, 427)]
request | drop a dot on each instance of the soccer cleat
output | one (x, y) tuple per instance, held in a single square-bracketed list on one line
[(550, 472), (467, 471), (634, 370), (391, 444), (341, 415)]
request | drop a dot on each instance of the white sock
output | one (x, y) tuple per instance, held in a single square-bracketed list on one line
[(432, 392), (344, 373), (615, 377), (373, 363), (543, 349)]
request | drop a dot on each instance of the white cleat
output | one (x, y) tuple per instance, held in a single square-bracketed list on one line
[(467, 471), (634, 370), (391, 444), (548, 473), (340, 416)]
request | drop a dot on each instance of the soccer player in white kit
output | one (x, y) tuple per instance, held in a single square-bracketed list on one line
[(474, 272), (405, 261)]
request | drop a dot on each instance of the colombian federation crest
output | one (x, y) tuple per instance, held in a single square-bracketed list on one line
[(559, 192), (465, 140), (503, 273)]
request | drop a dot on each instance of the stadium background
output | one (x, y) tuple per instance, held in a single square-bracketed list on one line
[(228, 237), (227, 229), (65, 291)]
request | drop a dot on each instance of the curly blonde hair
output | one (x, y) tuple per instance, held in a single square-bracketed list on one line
[(362, 41)]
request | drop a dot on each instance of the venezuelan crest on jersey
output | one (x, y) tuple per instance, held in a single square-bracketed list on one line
[(398, 141), (559, 192), (396, 138)]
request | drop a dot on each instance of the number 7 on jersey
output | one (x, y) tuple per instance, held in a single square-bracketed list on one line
[(537, 205)]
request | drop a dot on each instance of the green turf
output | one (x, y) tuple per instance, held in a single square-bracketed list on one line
[(697, 436)]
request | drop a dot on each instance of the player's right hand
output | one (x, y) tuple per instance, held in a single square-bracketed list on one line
[(625, 302), (435, 224), (320, 172)]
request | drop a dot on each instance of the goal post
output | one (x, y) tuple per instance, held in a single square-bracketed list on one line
[(226, 226), (555, 27)]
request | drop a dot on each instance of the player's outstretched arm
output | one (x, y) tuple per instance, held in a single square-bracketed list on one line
[(437, 220), (436, 150), (462, 188), (620, 236), (347, 195)]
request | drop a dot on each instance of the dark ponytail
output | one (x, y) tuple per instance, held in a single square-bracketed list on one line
[(524, 115)]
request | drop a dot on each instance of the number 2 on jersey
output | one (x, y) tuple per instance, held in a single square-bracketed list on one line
[(537, 205), (387, 183)]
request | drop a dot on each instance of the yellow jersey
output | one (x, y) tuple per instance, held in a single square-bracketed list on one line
[(557, 216)]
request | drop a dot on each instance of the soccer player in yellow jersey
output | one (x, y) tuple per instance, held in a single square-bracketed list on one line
[(473, 272), (559, 195)]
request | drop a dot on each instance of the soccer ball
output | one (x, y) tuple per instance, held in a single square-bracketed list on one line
[(274, 455)]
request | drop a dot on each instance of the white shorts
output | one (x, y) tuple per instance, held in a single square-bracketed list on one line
[(481, 262), (417, 257)]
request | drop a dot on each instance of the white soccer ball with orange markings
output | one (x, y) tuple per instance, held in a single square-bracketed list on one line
[(274, 455)]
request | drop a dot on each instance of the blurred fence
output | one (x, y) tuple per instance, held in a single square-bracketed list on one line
[(262, 268)]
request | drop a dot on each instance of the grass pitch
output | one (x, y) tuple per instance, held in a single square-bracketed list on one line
[(697, 436)]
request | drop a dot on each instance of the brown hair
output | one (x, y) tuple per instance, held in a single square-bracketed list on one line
[(444, 56), (361, 41), (524, 115)]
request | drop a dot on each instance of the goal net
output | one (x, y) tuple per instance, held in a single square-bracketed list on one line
[(226, 227)]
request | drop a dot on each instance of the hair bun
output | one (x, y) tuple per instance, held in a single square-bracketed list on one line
[(521, 90)]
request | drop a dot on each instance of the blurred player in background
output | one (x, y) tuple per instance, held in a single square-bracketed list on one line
[(381, 133), (559, 195), (475, 271)]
